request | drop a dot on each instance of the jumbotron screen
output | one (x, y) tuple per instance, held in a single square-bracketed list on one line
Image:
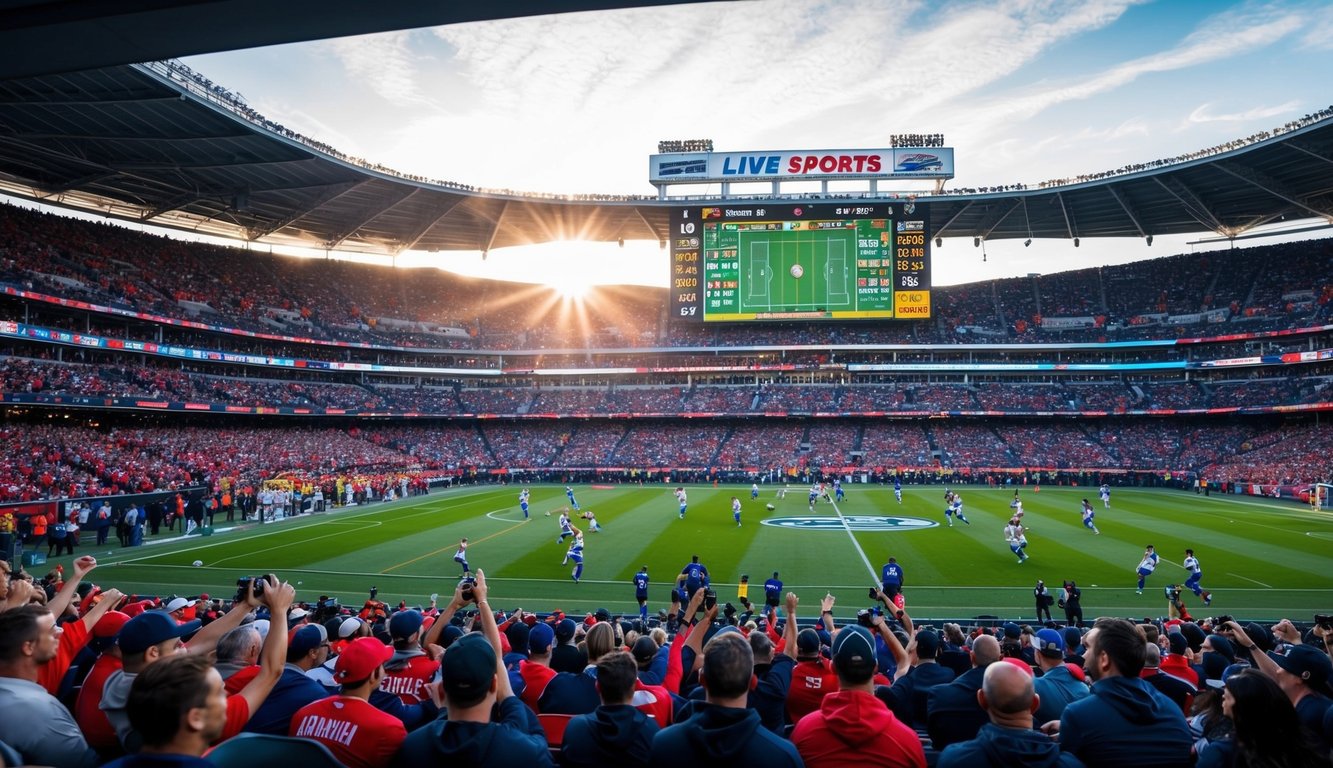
[(829, 261)]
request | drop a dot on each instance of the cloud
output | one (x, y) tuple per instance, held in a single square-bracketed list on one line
[(1201, 114), (1221, 37), (385, 62)]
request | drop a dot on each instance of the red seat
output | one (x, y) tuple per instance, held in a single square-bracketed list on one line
[(554, 726)]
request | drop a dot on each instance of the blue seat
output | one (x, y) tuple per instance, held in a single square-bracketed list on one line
[(261, 750)]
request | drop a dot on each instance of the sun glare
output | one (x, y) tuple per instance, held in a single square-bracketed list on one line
[(572, 287)]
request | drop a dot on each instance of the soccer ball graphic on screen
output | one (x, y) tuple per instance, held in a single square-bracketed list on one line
[(797, 270)]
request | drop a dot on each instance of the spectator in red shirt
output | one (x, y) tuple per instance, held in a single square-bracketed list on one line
[(410, 668), (852, 726), (811, 678), (357, 733)]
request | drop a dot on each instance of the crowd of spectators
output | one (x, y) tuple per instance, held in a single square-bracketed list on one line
[(393, 308), (91, 676)]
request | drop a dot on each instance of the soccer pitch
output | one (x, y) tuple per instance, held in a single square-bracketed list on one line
[(1261, 559), (797, 270)]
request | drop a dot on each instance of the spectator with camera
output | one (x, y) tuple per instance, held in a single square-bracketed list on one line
[(487, 724), (153, 635)]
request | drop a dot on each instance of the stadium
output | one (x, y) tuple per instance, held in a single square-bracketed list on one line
[(799, 400)]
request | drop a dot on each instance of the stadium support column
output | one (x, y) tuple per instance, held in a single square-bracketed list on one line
[(823, 187), (777, 188)]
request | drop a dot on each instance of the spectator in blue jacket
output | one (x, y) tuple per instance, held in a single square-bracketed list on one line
[(307, 648), (1057, 687), (1008, 739), (616, 732), (1125, 721), (720, 730), (487, 723)]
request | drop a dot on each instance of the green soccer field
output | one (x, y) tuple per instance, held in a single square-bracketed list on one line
[(1262, 559), (766, 259)]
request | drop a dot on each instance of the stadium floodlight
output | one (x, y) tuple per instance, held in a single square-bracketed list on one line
[(939, 242), (1149, 239), (1076, 242), (976, 242), (1027, 243), (620, 241)]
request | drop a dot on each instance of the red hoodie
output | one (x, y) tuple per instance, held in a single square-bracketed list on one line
[(855, 728)]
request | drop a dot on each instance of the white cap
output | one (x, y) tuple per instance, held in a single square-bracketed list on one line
[(349, 627), (297, 614), (178, 603)]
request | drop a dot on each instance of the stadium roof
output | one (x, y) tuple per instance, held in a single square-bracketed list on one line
[(157, 144)]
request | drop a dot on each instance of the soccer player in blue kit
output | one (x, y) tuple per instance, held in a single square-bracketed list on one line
[(1088, 514), (736, 510), (680, 497), (837, 490), (754, 491), (898, 489), (641, 592), (1196, 575), (575, 553), (566, 528), (1146, 566), (569, 493), (523, 502)]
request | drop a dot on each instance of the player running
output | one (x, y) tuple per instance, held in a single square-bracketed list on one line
[(569, 494), (523, 502), (1105, 493), (591, 517), (460, 556), (1146, 566), (814, 496), (898, 489), (953, 507), (680, 497), (1196, 575), (575, 553), (736, 510), (837, 490), (1088, 514), (754, 491), (641, 592), (566, 528), (1016, 536)]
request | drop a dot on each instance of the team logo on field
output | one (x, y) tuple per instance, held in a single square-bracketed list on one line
[(854, 522)]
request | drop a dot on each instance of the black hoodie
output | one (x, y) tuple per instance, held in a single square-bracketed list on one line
[(610, 735)]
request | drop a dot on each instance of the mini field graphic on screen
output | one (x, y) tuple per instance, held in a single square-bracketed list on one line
[(800, 262), (776, 268)]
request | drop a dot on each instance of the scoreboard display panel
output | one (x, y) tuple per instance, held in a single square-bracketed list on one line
[(830, 261)]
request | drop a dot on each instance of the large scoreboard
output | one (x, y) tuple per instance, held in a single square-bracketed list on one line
[(791, 261)]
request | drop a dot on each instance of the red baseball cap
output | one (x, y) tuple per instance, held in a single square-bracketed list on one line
[(110, 624), (360, 659)]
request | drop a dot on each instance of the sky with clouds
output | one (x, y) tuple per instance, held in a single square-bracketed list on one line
[(1025, 90)]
